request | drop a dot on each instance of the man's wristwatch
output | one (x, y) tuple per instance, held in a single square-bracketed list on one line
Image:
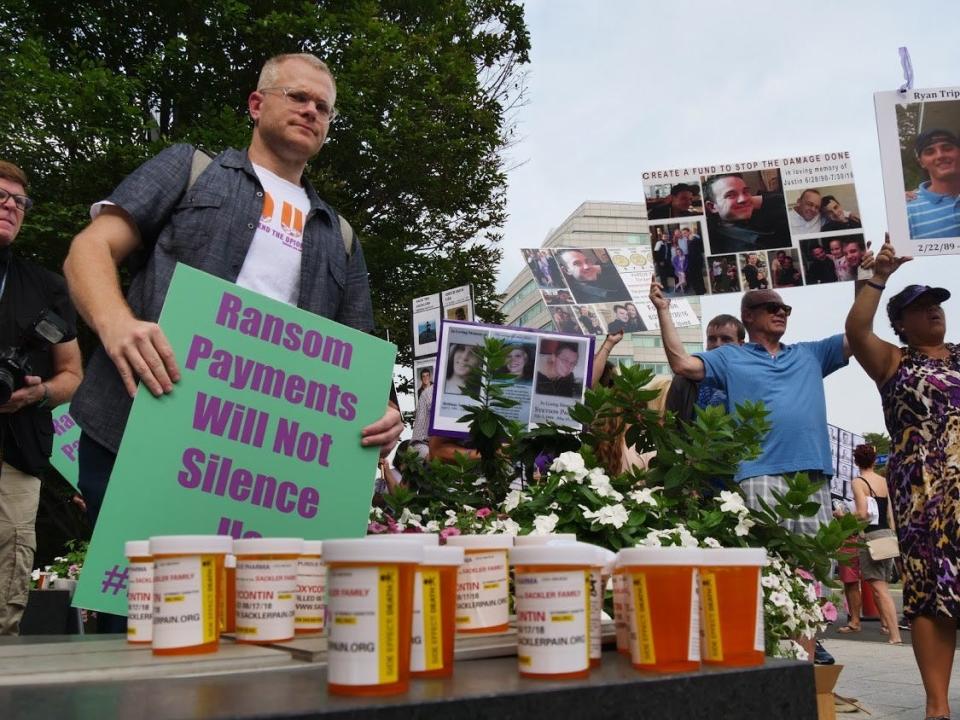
[(42, 403)]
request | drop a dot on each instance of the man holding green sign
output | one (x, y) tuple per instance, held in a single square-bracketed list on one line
[(250, 218)]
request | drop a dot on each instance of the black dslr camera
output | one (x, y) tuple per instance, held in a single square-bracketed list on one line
[(48, 329)]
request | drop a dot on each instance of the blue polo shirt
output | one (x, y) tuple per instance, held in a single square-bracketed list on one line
[(790, 385), (932, 215)]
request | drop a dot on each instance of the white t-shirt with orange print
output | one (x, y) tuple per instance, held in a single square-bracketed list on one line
[(272, 265)]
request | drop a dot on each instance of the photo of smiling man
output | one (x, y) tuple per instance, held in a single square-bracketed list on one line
[(933, 212)]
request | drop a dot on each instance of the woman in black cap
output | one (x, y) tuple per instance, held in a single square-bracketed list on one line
[(920, 389)]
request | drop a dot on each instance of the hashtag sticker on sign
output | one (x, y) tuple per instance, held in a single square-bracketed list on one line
[(114, 579)]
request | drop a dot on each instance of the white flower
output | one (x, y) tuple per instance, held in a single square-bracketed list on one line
[(432, 526), (615, 515), (479, 482), (570, 462), (553, 506), (505, 527), (409, 518), (770, 581), (513, 499), (780, 599), (743, 526), (644, 496), (544, 524), (35, 575), (600, 483), (711, 542), (450, 521), (732, 502), (652, 539)]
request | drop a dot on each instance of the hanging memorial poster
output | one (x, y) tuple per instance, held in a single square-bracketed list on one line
[(787, 222), (920, 159), (594, 291), (548, 374)]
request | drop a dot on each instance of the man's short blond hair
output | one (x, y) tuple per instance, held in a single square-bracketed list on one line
[(9, 171), (271, 68)]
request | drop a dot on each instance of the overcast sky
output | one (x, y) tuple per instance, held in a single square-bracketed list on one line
[(618, 87)]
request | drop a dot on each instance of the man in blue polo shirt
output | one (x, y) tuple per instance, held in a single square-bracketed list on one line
[(935, 211), (788, 379)]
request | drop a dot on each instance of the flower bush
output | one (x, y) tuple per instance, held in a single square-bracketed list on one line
[(686, 496), (67, 567)]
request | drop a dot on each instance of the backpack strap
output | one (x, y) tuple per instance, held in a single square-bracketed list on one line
[(201, 161), (348, 234)]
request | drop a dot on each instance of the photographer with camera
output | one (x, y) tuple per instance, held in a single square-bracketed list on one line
[(40, 368)]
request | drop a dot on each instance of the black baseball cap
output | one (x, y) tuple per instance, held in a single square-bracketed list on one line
[(934, 135), (681, 187), (910, 294)]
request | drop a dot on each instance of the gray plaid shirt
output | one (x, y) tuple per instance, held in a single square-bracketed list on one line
[(210, 227)]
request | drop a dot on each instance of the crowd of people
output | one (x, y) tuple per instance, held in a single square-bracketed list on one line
[(746, 359)]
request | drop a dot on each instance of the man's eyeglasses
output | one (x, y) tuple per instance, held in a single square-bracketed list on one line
[(301, 99), (22, 202), (773, 308)]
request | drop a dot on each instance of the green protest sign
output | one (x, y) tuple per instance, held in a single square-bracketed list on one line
[(261, 436), (66, 439)]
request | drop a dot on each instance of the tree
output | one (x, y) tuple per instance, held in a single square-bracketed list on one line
[(426, 93), (880, 442)]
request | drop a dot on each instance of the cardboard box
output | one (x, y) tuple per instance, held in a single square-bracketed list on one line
[(825, 679)]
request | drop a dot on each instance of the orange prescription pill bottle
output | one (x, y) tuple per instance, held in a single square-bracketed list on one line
[(483, 586), (731, 601), (229, 620), (266, 588), (621, 620), (664, 615), (370, 602), (532, 540), (186, 588), (139, 591), (432, 637), (552, 598), (311, 589), (600, 571), (429, 647)]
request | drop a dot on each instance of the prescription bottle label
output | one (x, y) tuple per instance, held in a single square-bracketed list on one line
[(482, 590), (553, 623), (620, 618), (140, 601), (364, 631), (266, 598), (426, 640), (641, 629), (596, 604), (713, 638), (311, 586), (758, 637), (693, 650), (184, 601)]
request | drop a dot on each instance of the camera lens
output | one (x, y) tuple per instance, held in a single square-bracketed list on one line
[(7, 384)]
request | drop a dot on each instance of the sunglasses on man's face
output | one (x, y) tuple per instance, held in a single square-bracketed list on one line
[(773, 308)]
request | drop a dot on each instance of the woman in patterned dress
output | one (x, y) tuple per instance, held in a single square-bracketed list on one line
[(920, 389)]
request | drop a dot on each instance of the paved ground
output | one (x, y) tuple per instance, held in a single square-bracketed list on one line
[(884, 678)]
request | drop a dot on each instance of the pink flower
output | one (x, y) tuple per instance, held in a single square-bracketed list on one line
[(447, 532), (376, 528), (483, 512), (829, 611), (804, 574)]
